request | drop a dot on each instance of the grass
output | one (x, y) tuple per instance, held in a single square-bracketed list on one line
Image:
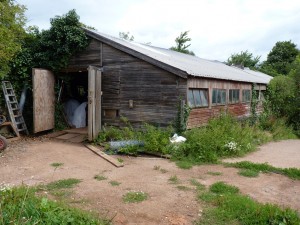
[(61, 184), (183, 188), (120, 160), (197, 184), (214, 173), (100, 177), (186, 165), (225, 205), (62, 194), (292, 173), (135, 196), (114, 183), (156, 167), (20, 205), (56, 164), (174, 180), (248, 173), (163, 170)]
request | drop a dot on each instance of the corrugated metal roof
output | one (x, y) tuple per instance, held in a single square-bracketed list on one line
[(192, 65)]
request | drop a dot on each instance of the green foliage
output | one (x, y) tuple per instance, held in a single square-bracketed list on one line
[(249, 173), (135, 197), (184, 164), (12, 32), (20, 206), (222, 137), (114, 183), (280, 58), (244, 59), (155, 139), (292, 173), (227, 206), (183, 112), (253, 105), (60, 184), (181, 45), (100, 177), (56, 164), (222, 188), (213, 173), (126, 36), (174, 180)]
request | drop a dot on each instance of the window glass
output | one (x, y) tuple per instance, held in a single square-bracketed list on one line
[(219, 96), (246, 96), (191, 99), (234, 95), (204, 97), (198, 98)]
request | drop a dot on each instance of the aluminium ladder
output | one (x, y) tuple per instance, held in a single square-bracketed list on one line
[(15, 114)]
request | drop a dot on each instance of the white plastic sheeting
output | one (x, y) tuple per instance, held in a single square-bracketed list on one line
[(79, 118), (75, 113), (177, 139)]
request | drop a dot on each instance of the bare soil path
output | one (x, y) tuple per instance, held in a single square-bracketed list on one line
[(28, 162)]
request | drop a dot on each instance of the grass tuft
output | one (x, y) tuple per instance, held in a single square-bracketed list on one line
[(183, 188), (222, 188), (214, 173), (56, 164), (248, 173), (186, 165), (174, 180), (20, 205), (292, 173), (100, 177), (61, 184), (227, 206), (114, 183), (135, 196)]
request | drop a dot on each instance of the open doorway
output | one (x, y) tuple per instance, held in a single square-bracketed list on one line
[(74, 97)]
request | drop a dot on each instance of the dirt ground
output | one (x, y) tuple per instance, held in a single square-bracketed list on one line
[(28, 161)]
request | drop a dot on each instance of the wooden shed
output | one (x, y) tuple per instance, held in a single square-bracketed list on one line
[(144, 83)]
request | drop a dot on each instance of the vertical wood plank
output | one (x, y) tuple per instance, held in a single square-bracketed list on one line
[(43, 100), (91, 99), (98, 110)]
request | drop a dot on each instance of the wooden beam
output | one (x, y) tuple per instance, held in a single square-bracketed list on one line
[(108, 158)]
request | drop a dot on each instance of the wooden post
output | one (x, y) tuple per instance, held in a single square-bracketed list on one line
[(91, 102), (98, 109)]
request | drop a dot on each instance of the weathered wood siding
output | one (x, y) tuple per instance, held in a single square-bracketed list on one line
[(154, 93), (88, 57), (200, 116)]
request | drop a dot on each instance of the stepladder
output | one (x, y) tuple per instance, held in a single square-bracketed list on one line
[(13, 108)]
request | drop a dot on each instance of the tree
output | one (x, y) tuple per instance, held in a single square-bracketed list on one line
[(126, 36), (244, 59), (181, 45), (12, 23), (280, 58)]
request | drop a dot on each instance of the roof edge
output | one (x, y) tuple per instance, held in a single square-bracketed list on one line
[(139, 55)]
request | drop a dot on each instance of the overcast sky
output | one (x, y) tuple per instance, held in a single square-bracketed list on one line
[(218, 28)]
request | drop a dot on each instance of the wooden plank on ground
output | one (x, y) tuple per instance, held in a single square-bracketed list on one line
[(78, 139), (108, 158), (82, 130), (57, 133), (67, 136)]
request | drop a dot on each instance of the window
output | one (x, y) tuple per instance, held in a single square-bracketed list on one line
[(198, 98), (262, 96), (246, 96), (234, 95), (219, 96)]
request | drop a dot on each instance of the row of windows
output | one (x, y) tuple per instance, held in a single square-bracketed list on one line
[(199, 97)]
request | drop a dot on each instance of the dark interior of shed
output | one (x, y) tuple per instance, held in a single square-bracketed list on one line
[(74, 95)]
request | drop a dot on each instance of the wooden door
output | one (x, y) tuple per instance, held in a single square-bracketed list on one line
[(43, 100), (94, 102)]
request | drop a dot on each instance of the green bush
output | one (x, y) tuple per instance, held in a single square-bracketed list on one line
[(222, 137), (20, 206)]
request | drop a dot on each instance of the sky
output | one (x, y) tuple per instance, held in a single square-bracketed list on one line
[(218, 28)]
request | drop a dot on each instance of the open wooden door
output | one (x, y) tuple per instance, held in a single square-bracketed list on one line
[(94, 102), (43, 100)]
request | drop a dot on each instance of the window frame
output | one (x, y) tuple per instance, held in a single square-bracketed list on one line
[(222, 91), (195, 105), (233, 94)]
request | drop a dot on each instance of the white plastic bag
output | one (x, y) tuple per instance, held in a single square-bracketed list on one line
[(177, 139), (79, 118)]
